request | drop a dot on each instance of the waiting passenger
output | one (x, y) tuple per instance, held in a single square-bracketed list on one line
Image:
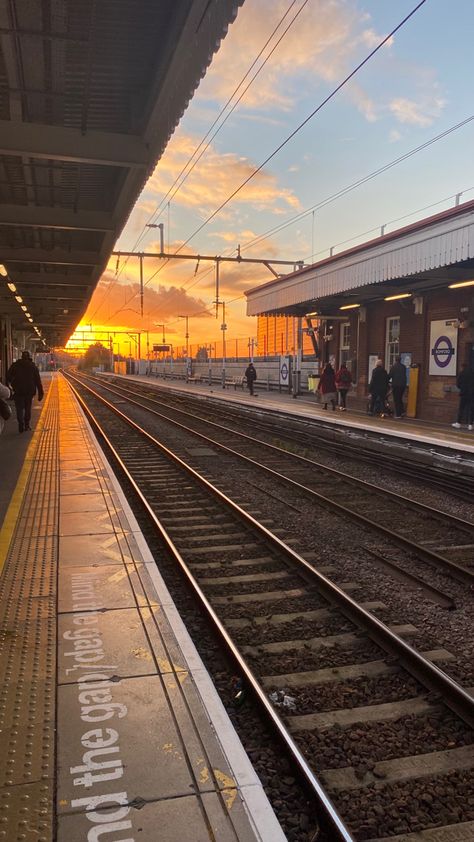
[(251, 376), (5, 410), (398, 379), (327, 387), (465, 384), (378, 389), (24, 378), (343, 384)]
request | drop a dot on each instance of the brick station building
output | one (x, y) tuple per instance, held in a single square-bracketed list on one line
[(409, 293)]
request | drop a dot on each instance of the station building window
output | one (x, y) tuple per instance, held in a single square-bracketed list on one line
[(344, 342), (392, 341)]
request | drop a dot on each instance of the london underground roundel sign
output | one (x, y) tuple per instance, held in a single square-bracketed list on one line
[(443, 347), (443, 351)]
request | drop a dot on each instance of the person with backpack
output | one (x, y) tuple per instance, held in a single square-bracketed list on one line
[(343, 384), (251, 376)]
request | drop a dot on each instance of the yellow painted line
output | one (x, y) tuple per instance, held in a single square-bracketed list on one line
[(11, 517)]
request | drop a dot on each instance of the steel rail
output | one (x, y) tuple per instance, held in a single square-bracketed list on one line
[(357, 481), (425, 671), (331, 817), (415, 471), (457, 571)]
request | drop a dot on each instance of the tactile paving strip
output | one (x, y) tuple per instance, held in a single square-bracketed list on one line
[(28, 645)]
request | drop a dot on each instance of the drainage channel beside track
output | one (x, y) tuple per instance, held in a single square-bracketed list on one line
[(321, 656)]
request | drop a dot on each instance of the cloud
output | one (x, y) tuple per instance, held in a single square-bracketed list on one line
[(215, 177), (317, 46), (394, 136), (115, 302), (363, 102), (417, 113)]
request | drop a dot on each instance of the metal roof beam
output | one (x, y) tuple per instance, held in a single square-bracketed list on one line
[(55, 257), (38, 294), (50, 279), (60, 143), (34, 216)]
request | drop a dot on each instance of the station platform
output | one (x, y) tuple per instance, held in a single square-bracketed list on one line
[(414, 430), (110, 726)]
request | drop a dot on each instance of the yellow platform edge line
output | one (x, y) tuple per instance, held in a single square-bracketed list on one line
[(11, 516)]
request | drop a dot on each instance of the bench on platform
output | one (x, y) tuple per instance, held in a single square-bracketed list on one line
[(235, 381)]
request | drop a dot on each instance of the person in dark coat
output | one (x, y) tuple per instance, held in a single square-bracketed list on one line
[(24, 378), (343, 384), (378, 388), (398, 379), (327, 386), (251, 376), (465, 384)]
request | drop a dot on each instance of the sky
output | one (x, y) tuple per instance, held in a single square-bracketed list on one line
[(416, 87)]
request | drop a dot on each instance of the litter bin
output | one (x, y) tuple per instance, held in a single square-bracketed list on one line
[(310, 382)]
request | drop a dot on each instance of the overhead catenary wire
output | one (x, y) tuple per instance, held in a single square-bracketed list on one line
[(393, 221), (161, 207), (172, 193), (321, 105), (358, 183), (310, 116), (193, 280)]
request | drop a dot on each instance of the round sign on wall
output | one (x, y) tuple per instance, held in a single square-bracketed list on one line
[(443, 351)]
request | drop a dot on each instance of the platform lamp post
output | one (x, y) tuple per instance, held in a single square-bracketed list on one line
[(188, 372), (223, 328)]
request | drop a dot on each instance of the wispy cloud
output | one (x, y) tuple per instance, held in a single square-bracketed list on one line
[(422, 112)]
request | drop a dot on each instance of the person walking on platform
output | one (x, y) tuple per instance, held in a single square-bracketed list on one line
[(465, 384), (327, 387), (251, 376), (398, 379), (378, 389), (24, 378), (343, 384)]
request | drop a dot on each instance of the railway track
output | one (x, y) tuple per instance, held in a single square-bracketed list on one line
[(323, 658), (440, 539), (444, 472)]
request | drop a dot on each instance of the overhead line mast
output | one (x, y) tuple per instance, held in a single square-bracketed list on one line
[(217, 259)]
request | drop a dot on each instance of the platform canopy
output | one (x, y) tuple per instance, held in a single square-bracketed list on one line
[(90, 93), (426, 255)]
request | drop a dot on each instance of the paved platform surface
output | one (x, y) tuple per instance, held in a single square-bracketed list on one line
[(305, 405), (109, 724), (13, 447)]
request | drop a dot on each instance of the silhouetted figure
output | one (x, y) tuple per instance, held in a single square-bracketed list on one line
[(465, 384), (251, 375), (378, 388), (24, 378), (343, 384), (327, 387), (5, 410), (398, 379)]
